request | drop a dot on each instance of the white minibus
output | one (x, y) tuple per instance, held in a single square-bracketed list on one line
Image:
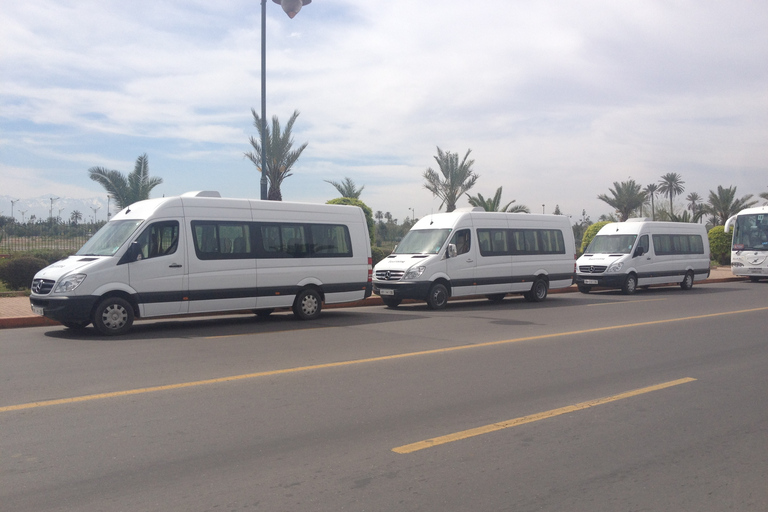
[(473, 252), (749, 252), (201, 253), (640, 252)]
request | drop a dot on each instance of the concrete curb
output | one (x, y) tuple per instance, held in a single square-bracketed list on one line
[(39, 321)]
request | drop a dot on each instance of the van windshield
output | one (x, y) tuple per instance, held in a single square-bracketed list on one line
[(109, 238), (611, 244), (422, 241)]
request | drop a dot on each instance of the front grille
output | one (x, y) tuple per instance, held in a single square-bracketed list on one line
[(592, 269), (389, 275), (42, 286)]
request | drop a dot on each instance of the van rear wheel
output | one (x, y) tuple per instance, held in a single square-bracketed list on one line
[(538, 291), (113, 316), (308, 304), (438, 296), (687, 282)]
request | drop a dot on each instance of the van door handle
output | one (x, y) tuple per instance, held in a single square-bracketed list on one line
[(174, 265)]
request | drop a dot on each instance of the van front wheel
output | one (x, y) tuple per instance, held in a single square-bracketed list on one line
[(307, 304), (630, 285), (113, 316), (438, 296)]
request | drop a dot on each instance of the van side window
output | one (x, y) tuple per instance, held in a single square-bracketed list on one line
[(462, 240), (221, 240), (665, 245), (158, 239), (505, 242), (330, 240)]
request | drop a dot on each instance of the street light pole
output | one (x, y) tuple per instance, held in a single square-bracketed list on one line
[(291, 8)]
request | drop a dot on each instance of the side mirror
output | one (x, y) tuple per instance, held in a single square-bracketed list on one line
[(451, 250), (134, 253), (639, 252)]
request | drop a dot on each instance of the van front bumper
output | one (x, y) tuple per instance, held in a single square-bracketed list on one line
[(400, 290), (609, 281), (64, 309)]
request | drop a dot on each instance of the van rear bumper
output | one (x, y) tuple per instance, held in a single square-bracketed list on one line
[(417, 290), (65, 309)]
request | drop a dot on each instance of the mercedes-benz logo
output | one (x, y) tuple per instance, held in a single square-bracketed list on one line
[(387, 275), (36, 287), (592, 269)]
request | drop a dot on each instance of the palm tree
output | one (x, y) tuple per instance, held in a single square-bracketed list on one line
[(764, 195), (75, 217), (723, 204), (650, 192), (280, 153), (126, 190), (627, 197), (493, 204), (695, 206), (459, 178), (347, 188), (671, 184)]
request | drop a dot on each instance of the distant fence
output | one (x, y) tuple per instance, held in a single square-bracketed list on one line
[(11, 244)]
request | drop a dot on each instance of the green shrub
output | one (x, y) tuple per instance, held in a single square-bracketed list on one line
[(378, 254), (720, 245), (18, 273), (590, 233)]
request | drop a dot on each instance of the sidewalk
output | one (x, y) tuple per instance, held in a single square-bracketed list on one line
[(16, 312)]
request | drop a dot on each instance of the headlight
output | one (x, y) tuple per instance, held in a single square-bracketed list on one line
[(414, 272), (69, 283), (616, 267)]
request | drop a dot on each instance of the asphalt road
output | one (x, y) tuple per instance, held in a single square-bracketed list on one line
[(656, 401)]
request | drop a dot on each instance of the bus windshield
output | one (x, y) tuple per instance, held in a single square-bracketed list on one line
[(109, 238), (422, 241), (611, 244), (751, 232)]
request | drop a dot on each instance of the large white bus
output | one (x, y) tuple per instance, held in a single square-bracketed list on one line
[(473, 252), (749, 249), (200, 253)]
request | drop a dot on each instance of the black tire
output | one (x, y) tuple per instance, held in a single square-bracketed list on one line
[(75, 326), (630, 285), (687, 282), (437, 297), (113, 316), (391, 303), (308, 304), (538, 291), (496, 297), (583, 288)]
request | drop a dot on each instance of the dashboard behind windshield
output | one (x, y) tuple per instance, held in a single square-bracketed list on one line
[(751, 232), (611, 244), (422, 241)]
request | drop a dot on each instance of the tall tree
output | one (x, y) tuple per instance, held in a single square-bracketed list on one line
[(671, 184), (723, 204), (347, 188), (458, 178), (75, 217), (650, 192), (627, 197), (279, 152), (126, 190), (494, 204)]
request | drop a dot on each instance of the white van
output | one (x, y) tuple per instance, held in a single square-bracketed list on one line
[(473, 252), (200, 253), (640, 252)]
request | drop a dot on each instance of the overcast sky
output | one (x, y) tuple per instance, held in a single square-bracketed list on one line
[(556, 100)]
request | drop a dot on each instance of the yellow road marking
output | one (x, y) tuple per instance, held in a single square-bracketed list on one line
[(465, 434), (169, 387)]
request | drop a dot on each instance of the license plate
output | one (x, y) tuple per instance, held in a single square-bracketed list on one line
[(386, 291), (590, 281), (755, 270), (37, 310)]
